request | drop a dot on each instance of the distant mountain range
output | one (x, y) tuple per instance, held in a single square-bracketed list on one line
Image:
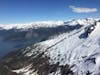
[(19, 35), (52, 48)]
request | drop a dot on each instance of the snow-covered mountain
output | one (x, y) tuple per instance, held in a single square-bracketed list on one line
[(20, 35), (15, 36), (47, 24), (74, 51), (35, 25)]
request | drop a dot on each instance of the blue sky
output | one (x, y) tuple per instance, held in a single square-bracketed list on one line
[(23, 11)]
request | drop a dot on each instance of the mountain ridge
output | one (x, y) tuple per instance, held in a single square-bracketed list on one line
[(75, 52), (46, 23)]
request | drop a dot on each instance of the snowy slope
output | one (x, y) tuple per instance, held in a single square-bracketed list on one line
[(79, 49)]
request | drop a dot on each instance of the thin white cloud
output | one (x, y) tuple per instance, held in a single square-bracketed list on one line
[(82, 9)]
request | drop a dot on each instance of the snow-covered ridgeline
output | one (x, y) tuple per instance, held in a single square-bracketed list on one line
[(32, 25), (78, 52), (86, 21), (84, 54), (39, 24)]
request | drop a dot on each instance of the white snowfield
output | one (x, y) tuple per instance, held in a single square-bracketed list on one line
[(68, 48)]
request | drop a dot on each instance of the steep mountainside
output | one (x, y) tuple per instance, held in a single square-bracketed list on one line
[(74, 52)]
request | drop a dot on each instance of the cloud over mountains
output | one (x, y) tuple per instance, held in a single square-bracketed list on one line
[(82, 9)]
